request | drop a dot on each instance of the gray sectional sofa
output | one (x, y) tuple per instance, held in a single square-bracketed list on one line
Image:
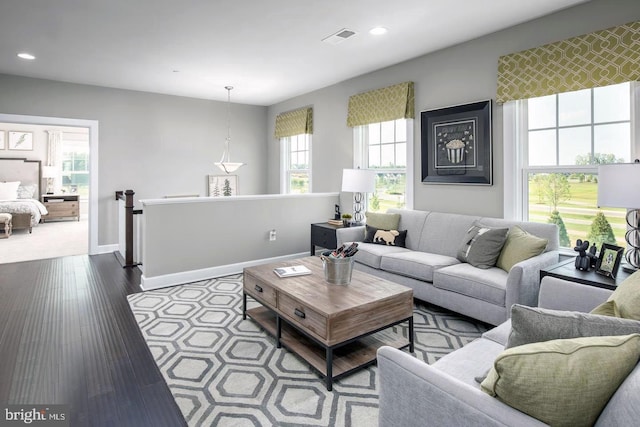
[(429, 265), (447, 393)]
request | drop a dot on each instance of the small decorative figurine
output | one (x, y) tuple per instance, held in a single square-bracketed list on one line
[(583, 260), (592, 255)]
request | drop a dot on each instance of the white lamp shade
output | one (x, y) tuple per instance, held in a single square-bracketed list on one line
[(49, 172), (358, 180), (618, 185)]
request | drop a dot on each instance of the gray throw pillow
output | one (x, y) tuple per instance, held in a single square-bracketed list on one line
[(534, 324), (482, 245)]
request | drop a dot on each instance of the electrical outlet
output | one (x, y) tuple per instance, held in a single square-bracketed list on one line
[(272, 235)]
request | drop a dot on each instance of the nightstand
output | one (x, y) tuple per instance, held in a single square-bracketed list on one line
[(566, 270), (323, 234), (61, 206)]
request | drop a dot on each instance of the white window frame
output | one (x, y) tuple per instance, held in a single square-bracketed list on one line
[(360, 138), (285, 157), (516, 171)]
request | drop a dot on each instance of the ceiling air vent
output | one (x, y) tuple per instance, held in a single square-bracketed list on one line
[(339, 36)]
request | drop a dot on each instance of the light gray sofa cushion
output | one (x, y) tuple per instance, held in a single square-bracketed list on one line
[(623, 408), (486, 285), (499, 334), (482, 245), (471, 361), (371, 254), (443, 232), (533, 324), (419, 265), (413, 222)]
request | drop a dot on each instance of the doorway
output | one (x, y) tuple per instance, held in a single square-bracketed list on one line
[(76, 175)]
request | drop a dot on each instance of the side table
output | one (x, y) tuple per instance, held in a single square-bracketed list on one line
[(566, 270), (323, 234)]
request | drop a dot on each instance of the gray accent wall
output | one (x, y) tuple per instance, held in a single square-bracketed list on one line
[(457, 75), (156, 145)]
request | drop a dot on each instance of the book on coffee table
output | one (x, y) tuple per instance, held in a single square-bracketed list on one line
[(294, 270)]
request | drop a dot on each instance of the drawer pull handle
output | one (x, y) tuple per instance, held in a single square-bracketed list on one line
[(258, 288), (299, 313)]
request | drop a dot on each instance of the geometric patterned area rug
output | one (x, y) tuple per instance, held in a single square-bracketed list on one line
[(225, 371)]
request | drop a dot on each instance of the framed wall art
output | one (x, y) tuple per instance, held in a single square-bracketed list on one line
[(456, 145), (20, 140), (609, 260), (2, 143), (223, 185)]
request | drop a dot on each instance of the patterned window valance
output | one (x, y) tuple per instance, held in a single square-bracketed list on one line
[(294, 123), (602, 58), (381, 105)]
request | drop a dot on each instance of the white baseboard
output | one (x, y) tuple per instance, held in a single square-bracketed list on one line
[(164, 281), (105, 249)]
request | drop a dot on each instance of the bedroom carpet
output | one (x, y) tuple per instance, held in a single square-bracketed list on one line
[(48, 240), (224, 371)]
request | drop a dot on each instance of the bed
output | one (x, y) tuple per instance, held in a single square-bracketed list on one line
[(25, 206)]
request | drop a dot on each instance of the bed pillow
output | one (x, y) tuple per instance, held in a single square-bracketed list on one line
[(26, 191), (385, 237), (481, 245), (9, 190), (563, 382)]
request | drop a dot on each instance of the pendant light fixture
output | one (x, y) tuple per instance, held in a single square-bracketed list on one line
[(225, 163)]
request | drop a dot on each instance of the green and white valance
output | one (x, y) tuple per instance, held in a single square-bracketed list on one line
[(381, 105), (295, 122), (601, 58)]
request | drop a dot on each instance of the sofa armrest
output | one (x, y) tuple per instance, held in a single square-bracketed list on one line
[(559, 294), (523, 282), (350, 234), (413, 393)]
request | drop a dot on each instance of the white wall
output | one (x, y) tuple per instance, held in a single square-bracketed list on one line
[(153, 144), (457, 75), (192, 239)]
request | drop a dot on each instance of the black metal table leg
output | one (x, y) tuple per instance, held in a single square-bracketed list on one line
[(244, 306), (411, 349), (278, 331), (329, 377)]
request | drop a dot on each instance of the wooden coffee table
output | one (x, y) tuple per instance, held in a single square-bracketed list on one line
[(337, 329)]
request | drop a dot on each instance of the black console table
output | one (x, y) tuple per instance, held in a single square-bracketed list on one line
[(566, 270)]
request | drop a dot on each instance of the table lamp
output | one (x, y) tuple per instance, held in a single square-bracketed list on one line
[(358, 181), (49, 173), (617, 189)]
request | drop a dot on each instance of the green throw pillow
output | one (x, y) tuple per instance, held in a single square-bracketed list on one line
[(481, 245), (534, 324), (624, 301), (563, 382), (383, 221), (519, 246)]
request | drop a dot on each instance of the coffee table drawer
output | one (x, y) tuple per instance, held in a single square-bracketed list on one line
[(302, 315), (260, 290)]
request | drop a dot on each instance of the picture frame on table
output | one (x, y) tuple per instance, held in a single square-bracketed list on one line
[(456, 145), (223, 185), (19, 140), (609, 260)]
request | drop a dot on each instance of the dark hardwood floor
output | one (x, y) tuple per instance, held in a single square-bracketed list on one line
[(67, 336)]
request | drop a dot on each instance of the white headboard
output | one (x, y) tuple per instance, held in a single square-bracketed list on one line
[(23, 170)]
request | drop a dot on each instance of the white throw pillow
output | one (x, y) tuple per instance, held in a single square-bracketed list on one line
[(9, 190)]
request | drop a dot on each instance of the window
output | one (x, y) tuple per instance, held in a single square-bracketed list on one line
[(296, 150), (75, 167), (385, 147), (560, 140)]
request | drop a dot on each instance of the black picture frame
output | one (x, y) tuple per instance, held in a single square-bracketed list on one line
[(609, 260), (457, 145)]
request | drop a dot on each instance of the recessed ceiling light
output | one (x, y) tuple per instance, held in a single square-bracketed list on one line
[(377, 31), (25, 55)]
